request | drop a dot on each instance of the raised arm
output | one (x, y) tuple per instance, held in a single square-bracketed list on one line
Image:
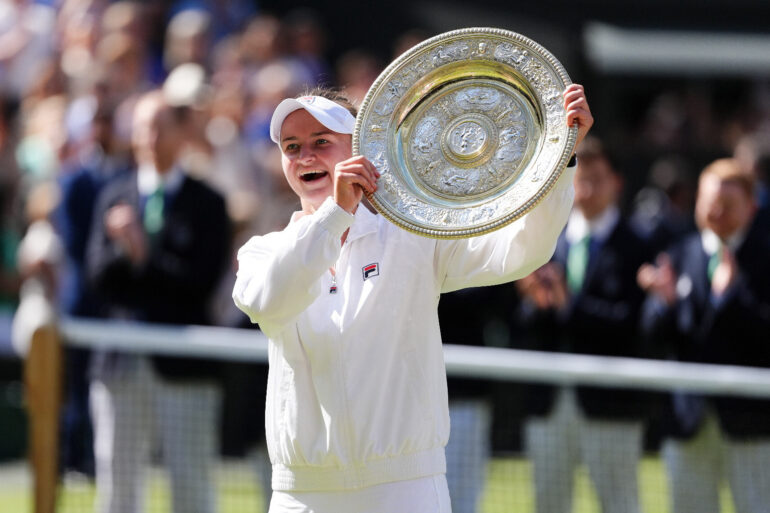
[(511, 252), (279, 273), (518, 249)]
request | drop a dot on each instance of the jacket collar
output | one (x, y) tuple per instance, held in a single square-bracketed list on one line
[(365, 223)]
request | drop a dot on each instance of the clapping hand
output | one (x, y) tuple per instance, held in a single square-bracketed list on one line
[(659, 279), (546, 287), (122, 226)]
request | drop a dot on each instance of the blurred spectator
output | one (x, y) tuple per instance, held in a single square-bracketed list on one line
[(356, 72), (162, 231), (709, 302), (228, 68), (473, 317), (121, 55), (9, 222), (752, 151), (407, 40), (227, 16), (124, 16), (40, 254), (188, 39), (187, 86), (143, 25), (681, 120), (26, 43), (662, 210), (42, 140), (96, 160), (263, 41), (79, 34), (307, 44), (271, 73), (586, 301)]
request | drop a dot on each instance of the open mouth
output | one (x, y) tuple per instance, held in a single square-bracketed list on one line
[(312, 176)]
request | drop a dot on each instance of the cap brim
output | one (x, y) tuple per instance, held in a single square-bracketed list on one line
[(330, 114)]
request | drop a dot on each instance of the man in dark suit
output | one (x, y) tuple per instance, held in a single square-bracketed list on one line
[(586, 301), (159, 245), (710, 301), (99, 161)]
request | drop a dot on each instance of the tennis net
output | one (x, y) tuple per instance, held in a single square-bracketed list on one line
[(504, 454)]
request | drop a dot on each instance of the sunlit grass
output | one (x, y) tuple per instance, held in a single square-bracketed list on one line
[(508, 490)]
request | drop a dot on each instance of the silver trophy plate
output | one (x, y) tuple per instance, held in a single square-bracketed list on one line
[(468, 131)]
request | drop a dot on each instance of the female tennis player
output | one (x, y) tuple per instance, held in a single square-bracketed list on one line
[(357, 415)]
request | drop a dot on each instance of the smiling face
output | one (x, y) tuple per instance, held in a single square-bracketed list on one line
[(309, 152)]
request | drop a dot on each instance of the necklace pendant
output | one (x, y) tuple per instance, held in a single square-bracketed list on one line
[(333, 288)]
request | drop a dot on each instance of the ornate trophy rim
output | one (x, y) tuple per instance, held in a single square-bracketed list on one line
[(448, 215)]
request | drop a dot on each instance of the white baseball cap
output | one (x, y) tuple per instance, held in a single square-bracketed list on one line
[(330, 114)]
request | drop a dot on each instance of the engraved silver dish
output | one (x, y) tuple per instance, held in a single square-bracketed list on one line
[(468, 131)]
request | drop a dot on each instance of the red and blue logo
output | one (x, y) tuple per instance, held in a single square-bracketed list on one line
[(371, 270)]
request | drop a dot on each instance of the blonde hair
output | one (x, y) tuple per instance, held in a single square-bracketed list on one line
[(730, 170)]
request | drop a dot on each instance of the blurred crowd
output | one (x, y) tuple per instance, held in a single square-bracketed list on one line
[(71, 73)]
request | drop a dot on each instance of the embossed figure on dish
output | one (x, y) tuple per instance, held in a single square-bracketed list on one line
[(467, 130)]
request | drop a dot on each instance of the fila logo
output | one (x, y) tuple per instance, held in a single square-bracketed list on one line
[(371, 270)]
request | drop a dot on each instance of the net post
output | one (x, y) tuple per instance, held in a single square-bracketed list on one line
[(42, 381)]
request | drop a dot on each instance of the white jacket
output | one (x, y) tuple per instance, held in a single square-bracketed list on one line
[(357, 386)]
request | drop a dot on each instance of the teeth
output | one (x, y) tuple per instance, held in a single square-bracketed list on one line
[(311, 176)]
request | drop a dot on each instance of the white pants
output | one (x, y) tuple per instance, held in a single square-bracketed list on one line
[(609, 449), (696, 468), (467, 452), (129, 411), (424, 495)]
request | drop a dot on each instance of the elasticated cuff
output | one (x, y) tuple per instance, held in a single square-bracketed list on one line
[(333, 217)]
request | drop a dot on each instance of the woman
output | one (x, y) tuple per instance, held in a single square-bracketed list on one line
[(357, 415)]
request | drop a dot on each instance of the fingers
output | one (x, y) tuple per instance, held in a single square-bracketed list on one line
[(663, 260), (122, 227), (353, 177), (358, 170), (658, 279), (646, 276), (578, 111), (119, 219)]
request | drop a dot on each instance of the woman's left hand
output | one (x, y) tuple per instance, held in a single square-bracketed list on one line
[(578, 112), (351, 178)]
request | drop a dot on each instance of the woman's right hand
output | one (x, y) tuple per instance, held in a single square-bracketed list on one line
[(351, 178)]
